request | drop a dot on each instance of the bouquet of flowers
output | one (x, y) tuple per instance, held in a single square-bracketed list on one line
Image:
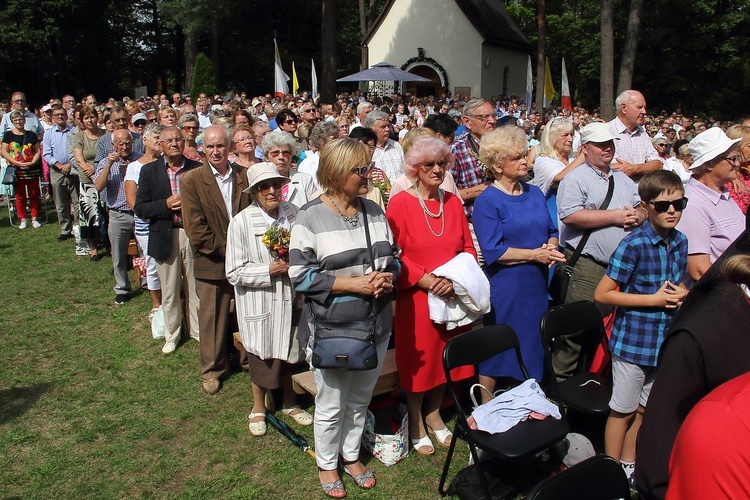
[(276, 239)]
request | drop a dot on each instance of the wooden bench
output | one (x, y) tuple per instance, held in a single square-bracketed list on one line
[(133, 252), (387, 381)]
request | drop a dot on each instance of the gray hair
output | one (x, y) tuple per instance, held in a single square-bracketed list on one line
[(363, 105), (152, 129), (277, 139), (320, 132), (17, 112), (624, 98), (189, 117), (374, 116), (473, 104)]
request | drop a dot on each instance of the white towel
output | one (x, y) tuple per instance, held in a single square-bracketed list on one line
[(472, 293)]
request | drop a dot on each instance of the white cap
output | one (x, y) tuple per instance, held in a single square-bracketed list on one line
[(596, 132)]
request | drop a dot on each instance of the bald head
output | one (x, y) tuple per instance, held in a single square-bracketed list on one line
[(216, 147), (122, 142)]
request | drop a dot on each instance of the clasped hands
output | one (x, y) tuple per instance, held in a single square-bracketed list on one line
[(442, 287), (377, 283), (548, 254), (670, 296)]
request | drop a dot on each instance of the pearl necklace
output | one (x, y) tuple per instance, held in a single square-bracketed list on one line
[(427, 212), (511, 192), (353, 220)]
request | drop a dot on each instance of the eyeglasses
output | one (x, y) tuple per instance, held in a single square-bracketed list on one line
[(484, 118), (663, 206), (429, 165), (189, 127), (265, 187), (68, 100), (290, 122), (363, 170), (247, 138), (140, 123), (19, 100), (277, 152), (173, 139), (734, 160), (60, 114), (310, 110)]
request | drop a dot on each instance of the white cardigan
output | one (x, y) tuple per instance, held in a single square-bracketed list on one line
[(472, 291), (263, 303)]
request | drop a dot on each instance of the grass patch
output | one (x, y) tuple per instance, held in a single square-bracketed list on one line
[(90, 408)]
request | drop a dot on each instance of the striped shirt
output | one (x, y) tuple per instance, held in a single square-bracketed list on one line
[(389, 159), (633, 147), (640, 265), (323, 247), (115, 188)]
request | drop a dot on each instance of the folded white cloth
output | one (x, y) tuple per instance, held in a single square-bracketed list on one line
[(511, 407), (472, 293)]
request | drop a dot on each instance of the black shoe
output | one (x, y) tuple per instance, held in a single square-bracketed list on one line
[(120, 299), (64, 237), (96, 257)]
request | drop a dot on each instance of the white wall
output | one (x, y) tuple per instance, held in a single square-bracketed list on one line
[(441, 29), (492, 74)]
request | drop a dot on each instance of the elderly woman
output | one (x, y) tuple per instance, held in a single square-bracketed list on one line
[(189, 125), (243, 146), (739, 189), (21, 149), (712, 220), (680, 162), (132, 175), (84, 150), (330, 264), (553, 162), (519, 242), (405, 181), (287, 121), (420, 342), (278, 148), (320, 134), (343, 123), (264, 294), (167, 116)]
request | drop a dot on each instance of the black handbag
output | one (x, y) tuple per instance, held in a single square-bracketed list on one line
[(561, 274), (10, 176), (347, 345)]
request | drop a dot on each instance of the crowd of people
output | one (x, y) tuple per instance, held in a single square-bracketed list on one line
[(275, 216)]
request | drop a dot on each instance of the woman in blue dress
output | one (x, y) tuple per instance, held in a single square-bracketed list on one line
[(519, 242)]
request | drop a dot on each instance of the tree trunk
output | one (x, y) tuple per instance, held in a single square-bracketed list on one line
[(161, 63), (607, 77), (541, 23), (328, 49), (627, 64), (191, 51), (363, 31)]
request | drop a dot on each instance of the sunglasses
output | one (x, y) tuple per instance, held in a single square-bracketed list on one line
[(663, 206), (363, 170), (265, 187), (290, 122), (429, 165)]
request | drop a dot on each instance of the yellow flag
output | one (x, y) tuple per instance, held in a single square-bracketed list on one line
[(549, 88), (295, 83)]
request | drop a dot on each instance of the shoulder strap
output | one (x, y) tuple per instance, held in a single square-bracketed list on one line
[(585, 238), (369, 248)]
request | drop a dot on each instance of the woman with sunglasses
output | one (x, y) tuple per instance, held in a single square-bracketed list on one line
[(330, 264), (264, 294), (188, 123), (430, 228), (243, 146)]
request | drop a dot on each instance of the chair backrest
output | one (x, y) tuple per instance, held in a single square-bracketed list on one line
[(597, 478), (474, 347), (582, 319)]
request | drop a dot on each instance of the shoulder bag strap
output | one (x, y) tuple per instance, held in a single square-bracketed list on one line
[(585, 238), (369, 249)]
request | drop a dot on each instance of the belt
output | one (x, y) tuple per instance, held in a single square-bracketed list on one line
[(586, 256), (129, 212)]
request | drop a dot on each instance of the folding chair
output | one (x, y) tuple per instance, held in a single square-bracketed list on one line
[(522, 441), (597, 478), (585, 392)]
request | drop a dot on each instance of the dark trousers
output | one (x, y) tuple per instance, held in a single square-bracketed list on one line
[(214, 319)]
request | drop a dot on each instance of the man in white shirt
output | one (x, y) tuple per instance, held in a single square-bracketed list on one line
[(388, 155)]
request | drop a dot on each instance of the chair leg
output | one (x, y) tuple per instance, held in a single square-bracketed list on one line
[(480, 471), (448, 458)]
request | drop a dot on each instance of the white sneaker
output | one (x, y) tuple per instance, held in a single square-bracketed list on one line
[(23, 225), (169, 347), (80, 251), (36, 224)]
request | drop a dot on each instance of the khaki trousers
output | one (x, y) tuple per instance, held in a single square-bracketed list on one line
[(174, 271)]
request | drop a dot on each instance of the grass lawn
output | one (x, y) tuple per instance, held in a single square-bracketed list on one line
[(89, 407)]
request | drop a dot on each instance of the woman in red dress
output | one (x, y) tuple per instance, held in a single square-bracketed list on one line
[(430, 227)]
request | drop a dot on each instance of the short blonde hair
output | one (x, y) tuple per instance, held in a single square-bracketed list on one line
[(414, 135), (499, 144), (337, 159), (739, 132)]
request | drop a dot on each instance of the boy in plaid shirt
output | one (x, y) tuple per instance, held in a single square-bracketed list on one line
[(644, 280)]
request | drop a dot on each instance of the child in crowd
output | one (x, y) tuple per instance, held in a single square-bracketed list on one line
[(644, 280)]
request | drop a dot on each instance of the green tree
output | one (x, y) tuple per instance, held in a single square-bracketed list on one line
[(203, 77)]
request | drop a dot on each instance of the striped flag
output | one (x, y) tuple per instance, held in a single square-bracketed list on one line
[(280, 87), (566, 102)]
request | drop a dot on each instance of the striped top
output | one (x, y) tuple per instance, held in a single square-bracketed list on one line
[(325, 246)]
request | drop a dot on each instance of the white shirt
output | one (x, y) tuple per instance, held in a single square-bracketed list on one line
[(309, 166), (389, 159), (226, 186)]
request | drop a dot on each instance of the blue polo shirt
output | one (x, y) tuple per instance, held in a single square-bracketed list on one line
[(641, 264)]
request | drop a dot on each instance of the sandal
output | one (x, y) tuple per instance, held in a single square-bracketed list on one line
[(443, 436), (257, 428), (301, 417), (330, 488), (365, 481), (421, 443)]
